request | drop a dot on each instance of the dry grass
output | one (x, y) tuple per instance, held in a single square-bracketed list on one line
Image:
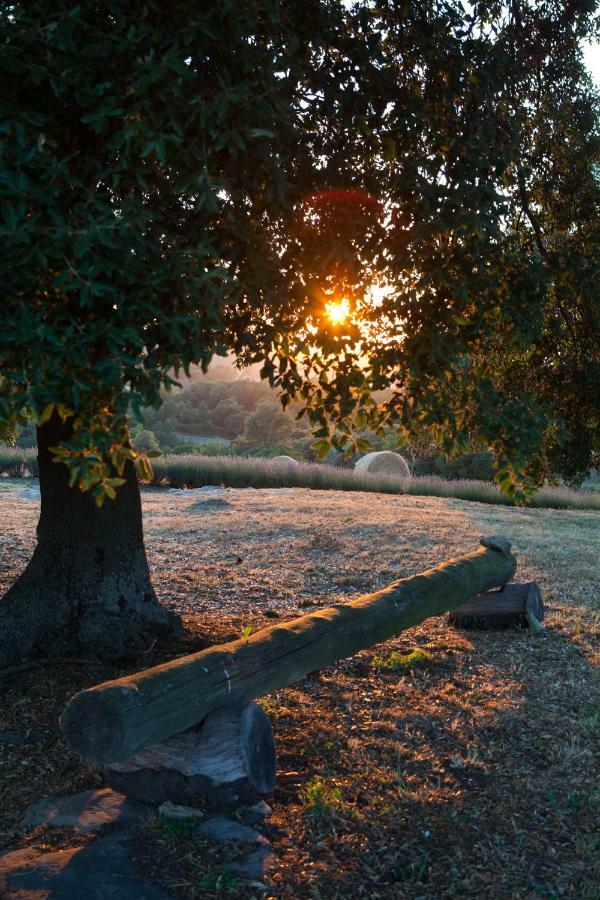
[(475, 775), (196, 471), (192, 471)]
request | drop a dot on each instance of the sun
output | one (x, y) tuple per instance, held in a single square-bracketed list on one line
[(337, 311)]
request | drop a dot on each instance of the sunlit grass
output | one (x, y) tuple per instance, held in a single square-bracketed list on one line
[(198, 471), (194, 471)]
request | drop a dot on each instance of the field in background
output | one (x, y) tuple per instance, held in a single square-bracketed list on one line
[(197, 471)]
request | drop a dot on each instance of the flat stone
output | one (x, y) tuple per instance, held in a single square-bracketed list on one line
[(257, 864), (85, 812), (99, 870), (170, 810), (220, 828)]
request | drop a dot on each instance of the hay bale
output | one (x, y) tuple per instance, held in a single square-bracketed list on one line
[(285, 461), (383, 462)]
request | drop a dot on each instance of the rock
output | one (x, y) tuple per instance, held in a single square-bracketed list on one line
[(86, 812), (383, 462), (256, 865), (220, 828), (257, 813), (98, 870), (168, 810)]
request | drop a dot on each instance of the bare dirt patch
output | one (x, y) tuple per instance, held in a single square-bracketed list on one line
[(473, 774)]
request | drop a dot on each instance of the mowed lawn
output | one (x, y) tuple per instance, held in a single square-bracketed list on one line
[(473, 773)]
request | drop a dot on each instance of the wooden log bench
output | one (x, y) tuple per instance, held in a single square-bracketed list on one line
[(130, 724)]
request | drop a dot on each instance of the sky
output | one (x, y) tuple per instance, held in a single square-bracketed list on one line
[(591, 54)]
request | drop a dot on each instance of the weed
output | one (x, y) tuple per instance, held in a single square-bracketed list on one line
[(323, 799), (401, 781), (246, 632), (217, 881), (267, 705), (589, 721), (396, 662), (176, 829)]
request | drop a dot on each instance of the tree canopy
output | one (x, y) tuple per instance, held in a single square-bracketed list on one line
[(175, 186)]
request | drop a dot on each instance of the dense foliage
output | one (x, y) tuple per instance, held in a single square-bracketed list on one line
[(208, 408), (175, 186)]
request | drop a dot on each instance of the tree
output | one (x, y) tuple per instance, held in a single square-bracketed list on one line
[(146, 441), (176, 189), (228, 418), (555, 213), (267, 426)]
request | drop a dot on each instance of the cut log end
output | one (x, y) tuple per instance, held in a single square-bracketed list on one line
[(496, 542), (228, 761), (515, 606)]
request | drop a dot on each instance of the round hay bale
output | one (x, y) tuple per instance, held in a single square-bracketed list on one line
[(285, 461), (383, 462)]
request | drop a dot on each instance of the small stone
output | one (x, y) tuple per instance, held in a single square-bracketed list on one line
[(220, 828), (256, 865), (168, 810), (257, 813)]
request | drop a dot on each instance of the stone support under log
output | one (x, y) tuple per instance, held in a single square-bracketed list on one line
[(516, 606), (111, 721), (226, 762)]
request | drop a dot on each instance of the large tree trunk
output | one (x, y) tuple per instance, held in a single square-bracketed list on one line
[(87, 587)]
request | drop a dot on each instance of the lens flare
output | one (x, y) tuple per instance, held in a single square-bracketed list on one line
[(337, 311)]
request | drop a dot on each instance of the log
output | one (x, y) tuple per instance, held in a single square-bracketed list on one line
[(226, 762), (109, 722), (512, 607)]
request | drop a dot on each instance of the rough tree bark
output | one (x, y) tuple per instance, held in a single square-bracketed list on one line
[(87, 587)]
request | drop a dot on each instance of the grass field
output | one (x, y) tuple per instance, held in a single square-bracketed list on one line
[(472, 774), (196, 471)]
